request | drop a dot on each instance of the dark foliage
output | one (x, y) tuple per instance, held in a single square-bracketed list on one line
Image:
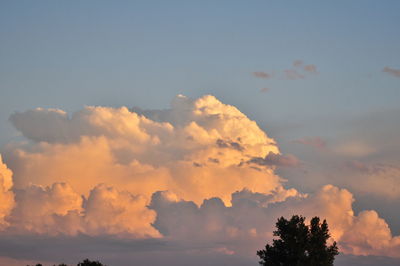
[(299, 244), (87, 262)]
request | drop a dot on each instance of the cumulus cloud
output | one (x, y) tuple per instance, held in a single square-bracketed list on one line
[(6, 195), (144, 151), (38, 209), (251, 218), (200, 174), (392, 71), (59, 210), (109, 211)]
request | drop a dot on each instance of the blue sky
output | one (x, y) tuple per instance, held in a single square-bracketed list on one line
[(69, 54)]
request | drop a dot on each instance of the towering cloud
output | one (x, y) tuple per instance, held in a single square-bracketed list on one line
[(189, 149), (6, 195), (200, 173)]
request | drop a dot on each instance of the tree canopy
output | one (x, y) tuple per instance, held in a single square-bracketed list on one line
[(299, 244), (85, 262)]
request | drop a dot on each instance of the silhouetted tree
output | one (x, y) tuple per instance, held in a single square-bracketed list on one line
[(87, 262), (299, 244)]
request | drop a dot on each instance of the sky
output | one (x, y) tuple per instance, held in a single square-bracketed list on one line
[(137, 130)]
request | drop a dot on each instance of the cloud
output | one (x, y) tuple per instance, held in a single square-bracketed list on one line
[(59, 210), (300, 71), (262, 75), (230, 144), (354, 148), (109, 211), (364, 168), (6, 195), (374, 178), (39, 210), (392, 71), (144, 151), (292, 74), (265, 89), (273, 159), (298, 63), (315, 142), (198, 177), (310, 68), (249, 221)]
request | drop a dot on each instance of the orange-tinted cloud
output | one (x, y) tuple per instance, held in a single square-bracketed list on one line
[(262, 75), (6, 195), (146, 151), (252, 216), (200, 172), (392, 71), (310, 68)]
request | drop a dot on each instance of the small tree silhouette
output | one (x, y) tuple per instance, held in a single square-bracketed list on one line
[(299, 244), (87, 262)]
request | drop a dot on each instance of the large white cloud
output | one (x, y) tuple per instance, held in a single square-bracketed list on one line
[(199, 173)]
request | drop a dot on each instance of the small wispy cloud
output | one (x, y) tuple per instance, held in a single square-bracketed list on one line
[(364, 167), (262, 75), (310, 68), (299, 70), (315, 142), (292, 74), (297, 63), (265, 89), (392, 71)]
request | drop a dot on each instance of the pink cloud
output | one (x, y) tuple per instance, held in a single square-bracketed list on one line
[(310, 68), (262, 75), (392, 71), (315, 142)]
